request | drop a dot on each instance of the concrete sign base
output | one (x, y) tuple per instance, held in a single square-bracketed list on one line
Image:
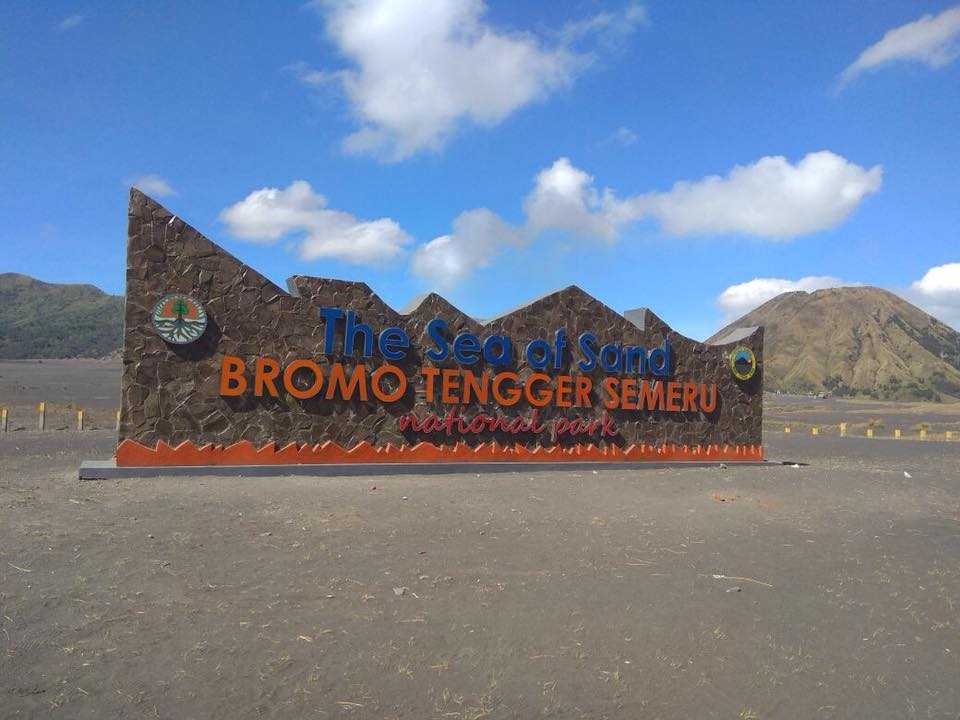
[(108, 470)]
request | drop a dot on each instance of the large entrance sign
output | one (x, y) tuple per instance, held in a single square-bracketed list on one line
[(222, 367)]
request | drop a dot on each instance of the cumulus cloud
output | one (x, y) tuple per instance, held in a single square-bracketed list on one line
[(153, 185), (564, 198), (931, 40), (269, 214), (740, 299), (477, 237), (771, 198), (938, 292), (416, 71), (70, 22)]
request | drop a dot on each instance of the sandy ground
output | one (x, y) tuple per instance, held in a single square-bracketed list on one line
[(825, 591), (802, 412), (65, 386)]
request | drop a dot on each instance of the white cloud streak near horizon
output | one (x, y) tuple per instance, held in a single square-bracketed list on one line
[(931, 40), (269, 214), (739, 299), (418, 71), (937, 293)]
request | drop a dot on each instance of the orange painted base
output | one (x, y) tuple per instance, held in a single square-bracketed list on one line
[(133, 454)]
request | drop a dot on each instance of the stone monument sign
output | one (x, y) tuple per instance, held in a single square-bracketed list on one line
[(223, 367)]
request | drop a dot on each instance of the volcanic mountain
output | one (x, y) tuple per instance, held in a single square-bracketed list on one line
[(48, 320), (854, 341)]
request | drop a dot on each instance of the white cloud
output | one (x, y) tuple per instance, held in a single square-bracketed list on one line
[(770, 198), (622, 136), (420, 70), (931, 40), (563, 198), (153, 185), (740, 299), (268, 214), (938, 292), (611, 27), (70, 22), (477, 237)]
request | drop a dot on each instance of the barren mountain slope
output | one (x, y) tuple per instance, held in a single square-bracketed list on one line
[(855, 340)]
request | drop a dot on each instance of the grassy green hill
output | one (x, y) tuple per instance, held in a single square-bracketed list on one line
[(47, 320), (855, 341)]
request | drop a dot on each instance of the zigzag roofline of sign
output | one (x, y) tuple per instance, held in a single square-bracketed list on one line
[(148, 209)]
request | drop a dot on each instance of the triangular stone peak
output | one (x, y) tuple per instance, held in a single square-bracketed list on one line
[(521, 306), (569, 290), (415, 302), (160, 242), (432, 306), (431, 302), (329, 292)]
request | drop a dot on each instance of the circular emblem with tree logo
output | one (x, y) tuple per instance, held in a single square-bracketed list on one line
[(743, 363), (179, 319)]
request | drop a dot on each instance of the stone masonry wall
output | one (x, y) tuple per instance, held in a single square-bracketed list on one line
[(170, 393)]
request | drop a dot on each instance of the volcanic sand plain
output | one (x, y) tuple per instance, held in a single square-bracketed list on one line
[(826, 590)]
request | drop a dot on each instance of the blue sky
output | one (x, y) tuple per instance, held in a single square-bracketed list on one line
[(497, 150)]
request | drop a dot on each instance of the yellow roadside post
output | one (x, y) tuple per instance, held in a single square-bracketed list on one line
[(814, 430), (869, 432), (786, 428), (896, 434), (843, 429), (41, 416), (80, 419)]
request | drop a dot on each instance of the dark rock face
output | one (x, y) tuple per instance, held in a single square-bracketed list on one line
[(171, 393)]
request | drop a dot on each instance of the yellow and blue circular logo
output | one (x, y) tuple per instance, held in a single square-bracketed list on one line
[(743, 363), (179, 319)]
